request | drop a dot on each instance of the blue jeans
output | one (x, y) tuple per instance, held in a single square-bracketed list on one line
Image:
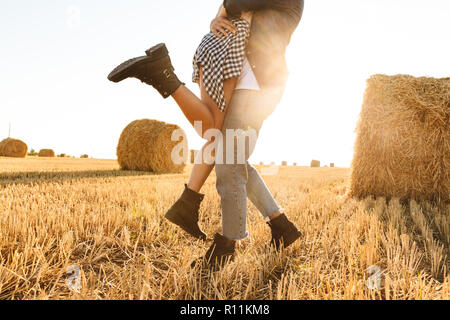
[(236, 181)]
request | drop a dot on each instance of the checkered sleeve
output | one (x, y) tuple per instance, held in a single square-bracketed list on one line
[(221, 59)]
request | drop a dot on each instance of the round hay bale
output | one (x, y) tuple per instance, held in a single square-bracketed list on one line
[(84, 156), (284, 163), (403, 139), (13, 148), (146, 145), (315, 164), (332, 165), (48, 153), (62, 155)]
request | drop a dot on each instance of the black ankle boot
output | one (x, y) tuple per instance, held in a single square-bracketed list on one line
[(184, 213), (220, 252), (284, 232), (155, 69)]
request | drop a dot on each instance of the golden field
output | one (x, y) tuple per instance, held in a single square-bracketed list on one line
[(57, 213)]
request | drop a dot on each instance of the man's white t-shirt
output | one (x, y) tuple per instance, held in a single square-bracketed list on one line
[(247, 79)]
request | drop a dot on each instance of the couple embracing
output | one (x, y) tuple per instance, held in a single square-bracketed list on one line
[(241, 70)]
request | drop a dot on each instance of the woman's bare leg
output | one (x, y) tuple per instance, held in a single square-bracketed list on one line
[(193, 108), (201, 171)]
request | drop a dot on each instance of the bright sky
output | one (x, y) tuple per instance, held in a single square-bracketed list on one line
[(55, 56)]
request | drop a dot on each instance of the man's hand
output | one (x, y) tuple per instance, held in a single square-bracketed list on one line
[(220, 25)]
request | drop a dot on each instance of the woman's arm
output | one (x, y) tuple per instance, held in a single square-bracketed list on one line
[(236, 7), (221, 24), (292, 7), (222, 12)]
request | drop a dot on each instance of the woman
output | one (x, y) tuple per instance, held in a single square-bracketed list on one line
[(217, 65)]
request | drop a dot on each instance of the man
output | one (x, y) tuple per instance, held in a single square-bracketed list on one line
[(271, 32)]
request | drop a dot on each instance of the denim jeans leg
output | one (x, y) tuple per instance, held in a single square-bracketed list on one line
[(248, 109), (231, 185), (259, 194)]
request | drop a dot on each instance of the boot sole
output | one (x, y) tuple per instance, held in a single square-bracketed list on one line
[(179, 221), (123, 71)]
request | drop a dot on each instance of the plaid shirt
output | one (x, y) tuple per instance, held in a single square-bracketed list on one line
[(221, 59)]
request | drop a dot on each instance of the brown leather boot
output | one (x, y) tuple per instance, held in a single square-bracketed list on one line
[(184, 213), (284, 232), (220, 252), (155, 69)]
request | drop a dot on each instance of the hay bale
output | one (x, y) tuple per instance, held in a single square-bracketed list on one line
[(13, 148), (48, 153), (284, 163), (146, 145), (84, 156), (315, 164), (62, 155), (403, 139), (332, 165), (295, 164)]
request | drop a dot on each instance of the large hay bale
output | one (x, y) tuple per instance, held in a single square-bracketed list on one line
[(315, 164), (13, 148), (146, 145), (48, 153), (403, 139)]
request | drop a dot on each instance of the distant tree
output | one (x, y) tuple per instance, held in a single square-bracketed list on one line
[(32, 153)]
